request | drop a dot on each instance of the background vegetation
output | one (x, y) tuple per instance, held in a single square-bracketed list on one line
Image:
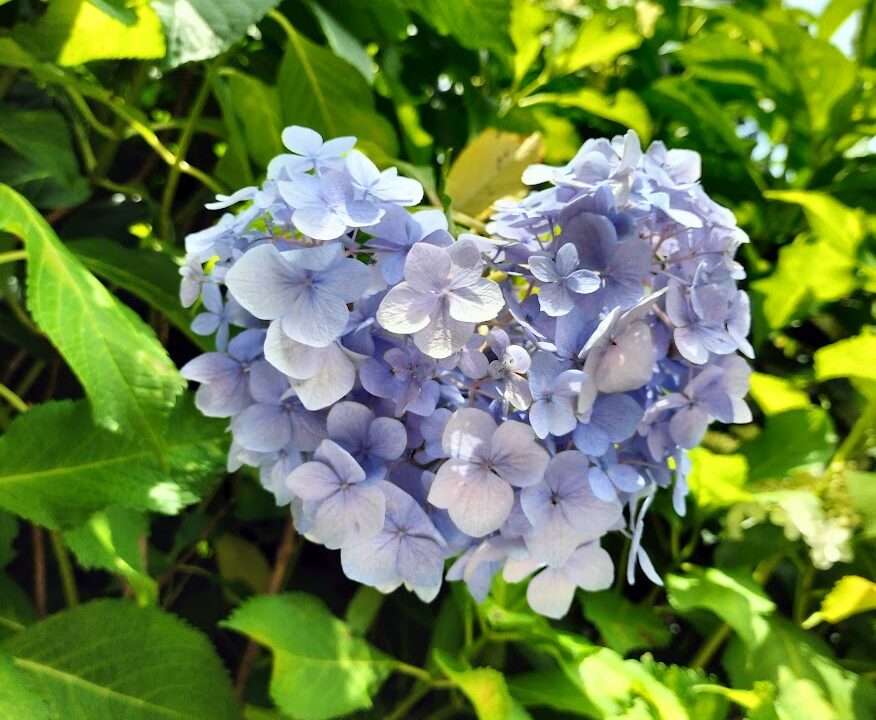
[(138, 573)]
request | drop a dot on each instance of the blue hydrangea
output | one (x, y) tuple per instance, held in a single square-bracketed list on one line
[(496, 403)]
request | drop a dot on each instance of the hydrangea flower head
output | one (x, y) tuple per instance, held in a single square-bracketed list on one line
[(496, 404)]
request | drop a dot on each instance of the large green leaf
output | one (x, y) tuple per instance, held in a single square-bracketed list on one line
[(716, 481), (852, 357), (42, 165), (601, 39), (110, 540), (73, 32), (201, 29), (484, 687), (320, 90), (17, 698), (624, 625), (320, 669), (830, 220), (16, 611), (57, 468), (552, 689), (732, 596), (812, 685), (109, 659), (475, 24), (130, 381), (151, 276), (256, 106), (802, 439)]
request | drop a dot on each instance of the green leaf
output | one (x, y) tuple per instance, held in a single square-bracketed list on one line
[(528, 21), (109, 659), (363, 609), (110, 540), (344, 43), (241, 561), (624, 625), (57, 468), (8, 533), (835, 14), (853, 357), (775, 395), (18, 699), (851, 595), (686, 684), (315, 655), (717, 481), (41, 165), (791, 441), (257, 108), (601, 39), (151, 276), (862, 494), (732, 596), (830, 220), (130, 381), (811, 684), (624, 108), (475, 24), (484, 687), (320, 90), (551, 689), (202, 29), (73, 32), (16, 610)]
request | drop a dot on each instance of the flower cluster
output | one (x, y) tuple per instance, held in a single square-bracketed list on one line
[(502, 401)]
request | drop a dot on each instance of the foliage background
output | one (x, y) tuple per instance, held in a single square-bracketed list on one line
[(136, 573)]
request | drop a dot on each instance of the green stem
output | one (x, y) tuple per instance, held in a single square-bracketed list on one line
[(13, 256), (16, 402), (402, 710), (65, 568), (710, 647), (185, 142)]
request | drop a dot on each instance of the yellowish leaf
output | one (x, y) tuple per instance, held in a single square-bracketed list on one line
[(489, 168), (850, 596)]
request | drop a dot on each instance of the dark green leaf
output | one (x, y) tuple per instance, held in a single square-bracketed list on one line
[(624, 625), (475, 24)]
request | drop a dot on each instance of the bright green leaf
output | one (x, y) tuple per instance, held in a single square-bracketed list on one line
[(529, 18), (202, 29), (732, 596), (16, 610), (344, 43), (790, 441), (109, 659), (18, 699), (854, 357), (835, 14), (829, 219), (57, 468), (151, 276), (550, 689), (315, 656), (73, 32), (600, 40), (110, 540), (624, 625), (257, 109), (862, 494), (715, 480), (775, 395), (851, 595), (130, 381), (363, 609), (484, 687)]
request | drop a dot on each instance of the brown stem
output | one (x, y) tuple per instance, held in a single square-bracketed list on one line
[(277, 581), (39, 570)]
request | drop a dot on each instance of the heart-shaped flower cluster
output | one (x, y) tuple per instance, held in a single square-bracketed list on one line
[(503, 401)]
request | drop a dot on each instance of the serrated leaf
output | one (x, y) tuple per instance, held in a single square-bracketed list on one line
[(128, 377), (732, 596), (41, 165), (315, 654), (489, 168), (151, 276), (320, 90), (624, 108), (110, 541), (852, 357), (475, 24), (624, 625), (57, 468), (202, 29), (73, 32), (109, 659)]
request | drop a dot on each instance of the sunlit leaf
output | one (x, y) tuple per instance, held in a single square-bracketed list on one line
[(792, 440), (600, 39), (474, 24), (484, 687), (853, 357), (624, 625), (775, 394), (624, 108), (851, 595)]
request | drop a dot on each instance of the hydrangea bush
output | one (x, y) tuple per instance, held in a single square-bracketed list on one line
[(501, 402)]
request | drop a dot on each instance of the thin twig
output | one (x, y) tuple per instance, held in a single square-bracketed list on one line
[(14, 401), (39, 570), (65, 569), (275, 584)]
